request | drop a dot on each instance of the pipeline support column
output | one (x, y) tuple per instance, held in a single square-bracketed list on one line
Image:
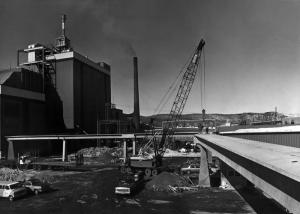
[(64, 151), (124, 150), (133, 147)]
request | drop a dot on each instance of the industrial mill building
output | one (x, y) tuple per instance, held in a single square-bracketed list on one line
[(53, 90), (84, 88)]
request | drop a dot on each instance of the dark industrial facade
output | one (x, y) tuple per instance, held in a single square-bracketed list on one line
[(73, 98), (84, 88), (22, 104), (56, 90)]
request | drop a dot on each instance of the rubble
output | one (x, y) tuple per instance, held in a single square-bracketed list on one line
[(152, 201), (168, 182), (81, 201), (99, 154), (7, 174), (174, 153), (181, 189), (133, 202), (94, 196)]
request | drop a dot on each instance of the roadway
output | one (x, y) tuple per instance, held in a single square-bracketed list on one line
[(273, 168)]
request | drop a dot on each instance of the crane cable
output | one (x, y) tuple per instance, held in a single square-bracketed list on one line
[(167, 99), (164, 100), (201, 86), (168, 95), (202, 82)]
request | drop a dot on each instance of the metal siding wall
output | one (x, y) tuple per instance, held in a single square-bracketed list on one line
[(78, 93), (12, 116), (19, 117), (91, 92), (107, 88), (89, 99), (286, 139), (64, 87), (36, 115)]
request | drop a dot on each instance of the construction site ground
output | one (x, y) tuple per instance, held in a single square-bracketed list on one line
[(93, 192)]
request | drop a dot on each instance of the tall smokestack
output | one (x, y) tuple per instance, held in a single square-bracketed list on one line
[(136, 113)]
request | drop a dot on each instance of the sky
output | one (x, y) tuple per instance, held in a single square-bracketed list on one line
[(252, 50)]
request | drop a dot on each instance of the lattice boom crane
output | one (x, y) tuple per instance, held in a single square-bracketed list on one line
[(151, 165), (181, 98)]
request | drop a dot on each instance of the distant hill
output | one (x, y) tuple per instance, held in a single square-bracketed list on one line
[(220, 118)]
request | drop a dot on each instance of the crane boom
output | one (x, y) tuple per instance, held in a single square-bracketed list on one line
[(180, 99), (152, 164)]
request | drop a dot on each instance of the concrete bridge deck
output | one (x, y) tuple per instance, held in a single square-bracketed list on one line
[(273, 168)]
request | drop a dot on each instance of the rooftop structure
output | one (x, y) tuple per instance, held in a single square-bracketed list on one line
[(62, 42)]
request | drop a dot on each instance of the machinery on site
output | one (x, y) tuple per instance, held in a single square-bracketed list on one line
[(159, 141)]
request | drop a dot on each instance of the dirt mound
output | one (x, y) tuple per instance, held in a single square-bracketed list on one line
[(162, 182)]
